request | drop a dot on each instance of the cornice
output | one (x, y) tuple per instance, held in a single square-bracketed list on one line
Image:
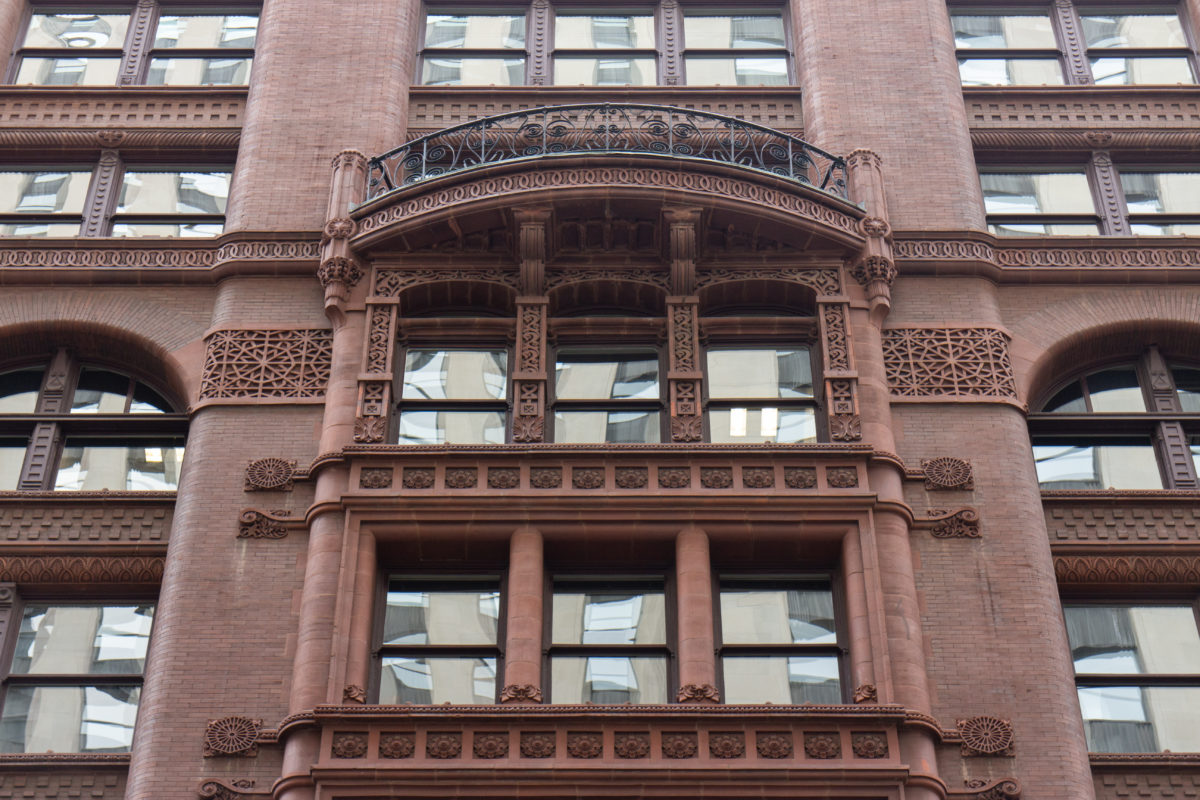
[(28, 143), (1008, 139), (453, 713)]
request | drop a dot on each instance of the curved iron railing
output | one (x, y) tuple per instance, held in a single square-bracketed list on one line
[(607, 128)]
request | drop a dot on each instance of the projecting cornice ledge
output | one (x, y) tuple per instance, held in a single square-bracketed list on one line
[(1109, 259)]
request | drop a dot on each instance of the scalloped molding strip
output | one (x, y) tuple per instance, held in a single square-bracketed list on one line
[(129, 256), (1050, 256), (1175, 570)]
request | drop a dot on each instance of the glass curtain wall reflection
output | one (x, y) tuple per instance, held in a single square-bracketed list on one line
[(1117, 45), (440, 641), (608, 641), (96, 655), (1136, 670), (1007, 50), (1162, 203), (779, 642), (42, 202), (742, 50), (1039, 203), (202, 50), (72, 49)]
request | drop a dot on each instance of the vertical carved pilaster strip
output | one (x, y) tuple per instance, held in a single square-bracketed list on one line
[(841, 383), (532, 230), (55, 385), (682, 246), (9, 601), (1172, 439), (529, 377), (137, 43), (1078, 71), (1115, 215), (55, 399), (102, 195), (671, 43), (375, 385), (683, 375), (539, 44)]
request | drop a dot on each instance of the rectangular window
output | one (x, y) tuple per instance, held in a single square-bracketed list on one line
[(744, 50), (1039, 203), (1029, 46), (1162, 203), (42, 202), (171, 203), (102, 464), (1136, 672), (1067, 463), (779, 641), (75, 678), (604, 50), (440, 640), (761, 395), (88, 48), (608, 640), (454, 396), (474, 50), (607, 397)]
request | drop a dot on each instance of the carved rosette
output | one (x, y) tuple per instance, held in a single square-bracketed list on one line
[(349, 745), (443, 745), (869, 745), (490, 745), (270, 474), (774, 745), (947, 472), (698, 693), (822, 745), (727, 745), (631, 745), (397, 745), (512, 693), (986, 736), (585, 745), (232, 736), (679, 745), (375, 478), (537, 745)]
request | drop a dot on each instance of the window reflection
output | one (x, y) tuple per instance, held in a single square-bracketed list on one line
[(1096, 464), (455, 375), (469, 681), (88, 465)]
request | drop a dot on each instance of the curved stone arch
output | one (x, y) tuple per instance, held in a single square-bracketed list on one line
[(391, 283), (1093, 328), (824, 282), (651, 277)]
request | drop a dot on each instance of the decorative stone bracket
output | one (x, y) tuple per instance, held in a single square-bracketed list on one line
[(340, 271), (255, 524), (875, 266)]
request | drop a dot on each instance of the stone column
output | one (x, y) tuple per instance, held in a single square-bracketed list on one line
[(362, 611), (12, 12), (696, 654), (523, 623)]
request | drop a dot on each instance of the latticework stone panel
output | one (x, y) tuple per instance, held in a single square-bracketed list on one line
[(251, 364), (948, 362)]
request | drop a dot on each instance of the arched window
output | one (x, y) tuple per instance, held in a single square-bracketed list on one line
[(72, 426), (1134, 425)]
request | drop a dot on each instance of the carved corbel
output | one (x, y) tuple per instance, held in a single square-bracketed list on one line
[(875, 266), (340, 271)]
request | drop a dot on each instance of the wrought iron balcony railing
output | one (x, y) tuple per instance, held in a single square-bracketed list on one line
[(598, 128)]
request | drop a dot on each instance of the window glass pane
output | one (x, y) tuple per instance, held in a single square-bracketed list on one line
[(43, 192), (143, 467), (148, 401), (77, 30), (184, 230), (68, 71), (68, 719), (588, 32), (442, 71), (633, 616), (455, 375), (1092, 464), (199, 71), (777, 616), (994, 32), (782, 679), (595, 427), (487, 32), (749, 32), (206, 31), (1122, 71), (741, 425), (1010, 72), (599, 377), (432, 680), (1187, 383), (100, 392), (452, 427), (40, 229), (1133, 30), (608, 679), (1166, 229), (1115, 390), (19, 391), (760, 373), (729, 71), (1128, 640), (79, 640), (444, 616), (1036, 229), (612, 71), (12, 456), (1036, 193), (1069, 400), (1140, 719), (173, 193), (1159, 192)]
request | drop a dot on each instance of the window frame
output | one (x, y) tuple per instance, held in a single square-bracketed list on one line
[(669, 55), (1138, 680), (840, 649), (1072, 50), (400, 404), (1086, 169), (134, 64), (15, 614), (820, 419), (60, 427), (439, 581), (615, 351), (614, 580)]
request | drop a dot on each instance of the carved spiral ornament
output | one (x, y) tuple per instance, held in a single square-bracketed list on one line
[(231, 736), (986, 735)]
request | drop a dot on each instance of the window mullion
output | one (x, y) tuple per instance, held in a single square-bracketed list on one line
[(1109, 196), (102, 195), (670, 31), (137, 43), (539, 38), (1069, 28)]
